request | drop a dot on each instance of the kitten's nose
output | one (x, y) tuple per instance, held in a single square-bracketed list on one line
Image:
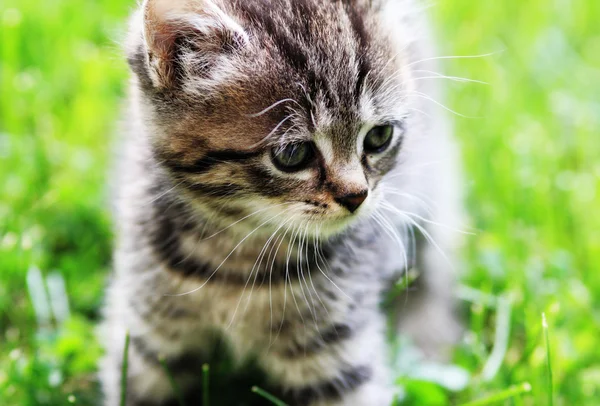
[(352, 201)]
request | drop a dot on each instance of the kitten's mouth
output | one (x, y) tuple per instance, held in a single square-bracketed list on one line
[(327, 224)]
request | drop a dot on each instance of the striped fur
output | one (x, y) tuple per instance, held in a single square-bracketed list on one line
[(218, 248)]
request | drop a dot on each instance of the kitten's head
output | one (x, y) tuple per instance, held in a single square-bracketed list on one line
[(287, 111)]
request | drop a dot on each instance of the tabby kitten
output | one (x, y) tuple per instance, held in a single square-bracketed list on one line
[(279, 156)]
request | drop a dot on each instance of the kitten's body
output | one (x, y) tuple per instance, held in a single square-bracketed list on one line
[(212, 246)]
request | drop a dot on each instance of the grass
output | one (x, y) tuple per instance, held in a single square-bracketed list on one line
[(272, 399), (550, 387), (125, 370), (531, 161)]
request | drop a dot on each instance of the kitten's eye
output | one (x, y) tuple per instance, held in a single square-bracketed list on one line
[(293, 157), (379, 138)]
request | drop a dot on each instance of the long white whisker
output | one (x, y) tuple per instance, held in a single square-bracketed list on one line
[(246, 285), (300, 272), (287, 274), (316, 242), (256, 266), (163, 194), (229, 255), (427, 236), (453, 57), (436, 75), (286, 279), (420, 201), (426, 97), (423, 219), (273, 131), (389, 229), (272, 106), (324, 260), (270, 282), (244, 218)]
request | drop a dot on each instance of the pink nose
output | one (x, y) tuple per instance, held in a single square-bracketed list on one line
[(352, 201)]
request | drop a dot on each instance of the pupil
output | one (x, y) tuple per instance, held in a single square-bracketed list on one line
[(378, 138), (292, 157)]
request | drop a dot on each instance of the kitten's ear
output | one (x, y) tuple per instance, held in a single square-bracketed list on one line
[(183, 37)]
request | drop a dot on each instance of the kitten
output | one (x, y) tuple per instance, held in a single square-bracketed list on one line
[(279, 156)]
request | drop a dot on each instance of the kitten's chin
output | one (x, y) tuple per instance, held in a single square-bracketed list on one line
[(334, 228)]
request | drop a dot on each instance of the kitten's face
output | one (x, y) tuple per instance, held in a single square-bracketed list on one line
[(289, 112)]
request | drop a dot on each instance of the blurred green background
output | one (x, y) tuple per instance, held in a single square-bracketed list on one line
[(532, 164)]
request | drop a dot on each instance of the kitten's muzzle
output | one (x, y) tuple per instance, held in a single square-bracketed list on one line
[(352, 201)]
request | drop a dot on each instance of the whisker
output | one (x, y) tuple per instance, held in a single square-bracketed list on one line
[(437, 75), (286, 280), (272, 106), (300, 272), (287, 275), (273, 131), (244, 218), (423, 219), (427, 236), (437, 103), (244, 289), (256, 266), (428, 221), (163, 194), (454, 57), (228, 255), (324, 260), (270, 282), (420, 111), (316, 242), (421, 202), (390, 231)]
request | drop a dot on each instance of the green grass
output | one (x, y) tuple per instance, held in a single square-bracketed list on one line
[(531, 160)]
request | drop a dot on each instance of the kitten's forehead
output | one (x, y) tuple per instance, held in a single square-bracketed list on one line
[(312, 66), (321, 52)]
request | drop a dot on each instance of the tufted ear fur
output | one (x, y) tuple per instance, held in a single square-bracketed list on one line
[(184, 38)]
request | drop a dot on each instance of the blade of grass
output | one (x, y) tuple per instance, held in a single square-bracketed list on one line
[(548, 361), (268, 396), (174, 385), (472, 295), (501, 338), (124, 370), (205, 386), (511, 392)]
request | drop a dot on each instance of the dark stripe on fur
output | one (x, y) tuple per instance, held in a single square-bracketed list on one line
[(363, 38), (262, 182), (333, 335), (165, 242), (347, 381), (180, 364), (155, 309), (214, 190), (171, 218), (212, 159), (289, 47), (294, 49)]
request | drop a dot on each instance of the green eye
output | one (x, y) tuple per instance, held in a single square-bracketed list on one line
[(293, 157), (379, 138)]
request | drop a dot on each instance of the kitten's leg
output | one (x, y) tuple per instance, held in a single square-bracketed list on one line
[(427, 310), (147, 382), (340, 366), (155, 335)]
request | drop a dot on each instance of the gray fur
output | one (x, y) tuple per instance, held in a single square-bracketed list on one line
[(214, 244)]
